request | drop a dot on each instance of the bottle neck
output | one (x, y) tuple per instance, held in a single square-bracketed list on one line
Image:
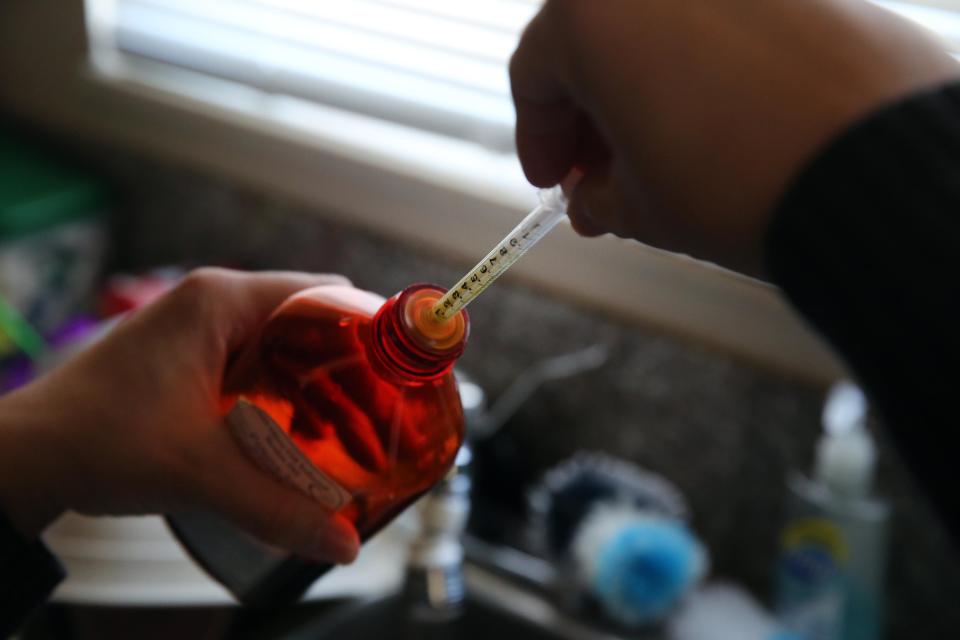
[(407, 341)]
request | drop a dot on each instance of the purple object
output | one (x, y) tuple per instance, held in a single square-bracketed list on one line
[(17, 370), (75, 329)]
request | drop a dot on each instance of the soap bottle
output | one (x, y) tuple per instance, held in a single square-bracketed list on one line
[(351, 400), (834, 545)]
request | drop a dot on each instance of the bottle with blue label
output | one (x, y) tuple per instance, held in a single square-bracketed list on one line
[(834, 545)]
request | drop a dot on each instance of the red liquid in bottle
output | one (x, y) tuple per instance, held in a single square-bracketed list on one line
[(363, 388)]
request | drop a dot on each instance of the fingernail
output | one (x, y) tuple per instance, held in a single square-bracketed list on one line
[(336, 542), (335, 279), (572, 179)]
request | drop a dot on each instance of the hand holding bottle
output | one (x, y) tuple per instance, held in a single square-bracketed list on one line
[(135, 424), (350, 399), (689, 119)]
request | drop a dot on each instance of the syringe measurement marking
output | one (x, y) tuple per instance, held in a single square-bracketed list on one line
[(494, 263), (529, 231)]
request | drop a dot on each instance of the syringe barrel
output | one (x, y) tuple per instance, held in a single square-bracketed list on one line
[(540, 221)]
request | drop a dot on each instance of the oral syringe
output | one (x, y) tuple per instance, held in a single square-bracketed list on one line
[(552, 209)]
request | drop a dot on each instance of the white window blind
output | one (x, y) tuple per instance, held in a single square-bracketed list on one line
[(437, 65), (939, 16)]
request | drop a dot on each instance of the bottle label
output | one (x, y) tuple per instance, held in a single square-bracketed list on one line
[(812, 597), (272, 449)]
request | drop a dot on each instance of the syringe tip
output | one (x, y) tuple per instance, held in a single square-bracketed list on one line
[(433, 331)]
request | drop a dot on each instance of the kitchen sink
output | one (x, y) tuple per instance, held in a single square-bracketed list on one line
[(389, 618), (494, 608)]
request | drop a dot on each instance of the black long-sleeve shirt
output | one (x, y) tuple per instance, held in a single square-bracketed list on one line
[(866, 245), (28, 574)]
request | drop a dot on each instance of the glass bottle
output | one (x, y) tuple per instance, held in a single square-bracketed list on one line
[(348, 398)]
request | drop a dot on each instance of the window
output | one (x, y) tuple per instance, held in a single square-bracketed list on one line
[(392, 114), (940, 16), (438, 65)]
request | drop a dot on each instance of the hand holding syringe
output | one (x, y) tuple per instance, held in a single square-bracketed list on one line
[(552, 208)]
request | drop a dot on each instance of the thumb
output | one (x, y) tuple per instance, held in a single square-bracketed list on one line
[(279, 515), (593, 206)]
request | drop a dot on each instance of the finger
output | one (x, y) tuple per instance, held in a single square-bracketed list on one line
[(594, 205), (546, 141), (593, 172), (586, 227), (326, 402), (245, 300), (263, 291), (593, 151), (571, 180), (547, 118), (277, 514)]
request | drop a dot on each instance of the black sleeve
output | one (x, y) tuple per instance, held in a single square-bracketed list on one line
[(866, 245), (28, 574)]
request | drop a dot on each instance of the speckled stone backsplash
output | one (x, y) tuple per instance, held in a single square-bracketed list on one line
[(724, 432)]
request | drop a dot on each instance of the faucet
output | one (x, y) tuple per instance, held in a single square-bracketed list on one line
[(434, 588), (434, 591)]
